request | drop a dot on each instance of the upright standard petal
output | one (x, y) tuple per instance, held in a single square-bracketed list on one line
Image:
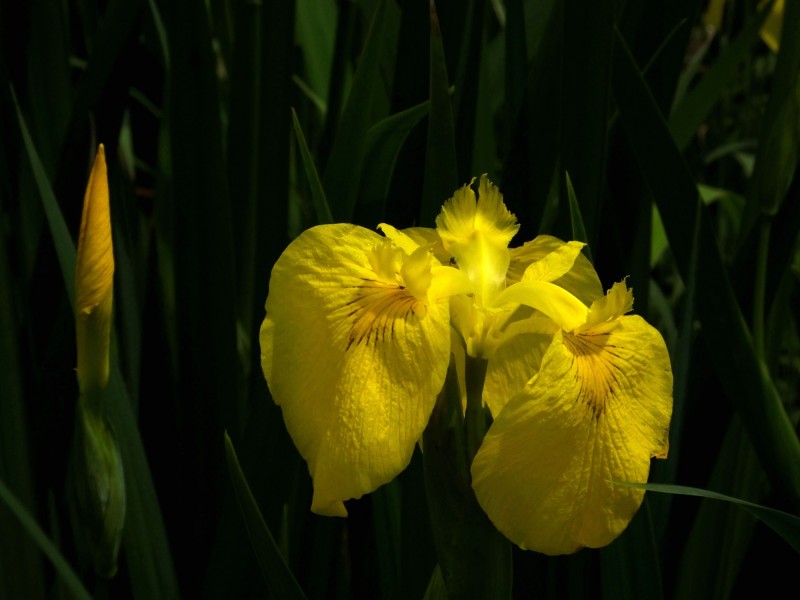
[(350, 323), (596, 413), (477, 235), (94, 280)]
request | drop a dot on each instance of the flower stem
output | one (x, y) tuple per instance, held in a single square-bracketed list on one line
[(474, 419)]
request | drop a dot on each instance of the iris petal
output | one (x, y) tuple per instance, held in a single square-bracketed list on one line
[(477, 235), (517, 359), (581, 281), (341, 349), (596, 413)]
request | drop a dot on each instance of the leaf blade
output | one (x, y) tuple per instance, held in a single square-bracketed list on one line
[(276, 573)]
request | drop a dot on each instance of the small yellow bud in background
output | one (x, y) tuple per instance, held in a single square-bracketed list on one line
[(98, 477), (771, 30), (94, 280)]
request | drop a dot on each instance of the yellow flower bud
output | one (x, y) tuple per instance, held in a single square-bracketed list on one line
[(98, 477), (94, 280)]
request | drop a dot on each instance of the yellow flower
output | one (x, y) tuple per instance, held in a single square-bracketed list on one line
[(595, 413), (357, 339), (94, 280)]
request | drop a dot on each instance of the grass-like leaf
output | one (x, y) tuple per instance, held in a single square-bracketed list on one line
[(578, 230), (321, 207), (384, 141), (71, 580), (746, 383), (441, 171), (342, 173), (21, 574), (276, 573), (65, 247), (784, 524), (697, 104), (474, 558), (779, 146), (145, 545)]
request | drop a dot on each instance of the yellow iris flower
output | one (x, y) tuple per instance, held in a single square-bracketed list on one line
[(358, 336)]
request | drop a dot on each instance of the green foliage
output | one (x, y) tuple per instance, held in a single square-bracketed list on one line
[(232, 126)]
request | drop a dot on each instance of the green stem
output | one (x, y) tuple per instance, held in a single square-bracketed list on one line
[(474, 419), (760, 287), (474, 558)]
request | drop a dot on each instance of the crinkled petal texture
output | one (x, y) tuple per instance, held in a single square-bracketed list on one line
[(353, 358), (517, 360), (596, 413)]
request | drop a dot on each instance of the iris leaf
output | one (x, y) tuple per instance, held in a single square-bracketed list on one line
[(71, 580), (784, 524), (341, 177), (436, 588), (276, 573), (384, 141), (778, 149), (317, 193), (578, 230), (474, 558), (21, 573), (697, 104), (147, 552), (65, 247), (441, 171), (747, 385)]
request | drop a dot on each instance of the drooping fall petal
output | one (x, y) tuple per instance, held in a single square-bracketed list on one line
[(355, 349), (596, 413), (517, 359)]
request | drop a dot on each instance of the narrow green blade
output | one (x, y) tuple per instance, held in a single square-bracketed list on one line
[(746, 383), (65, 247), (20, 562), (384, 141), (276, 573), (697, 104), (586, 51), (71, 581), (578, 230), (441, 172), (317, 193), (342, 173), (779, 143), (144, 541), (784, 524), (475, 559)]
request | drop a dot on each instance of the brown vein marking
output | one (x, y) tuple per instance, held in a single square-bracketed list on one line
[(595, 370), (375, 309)]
